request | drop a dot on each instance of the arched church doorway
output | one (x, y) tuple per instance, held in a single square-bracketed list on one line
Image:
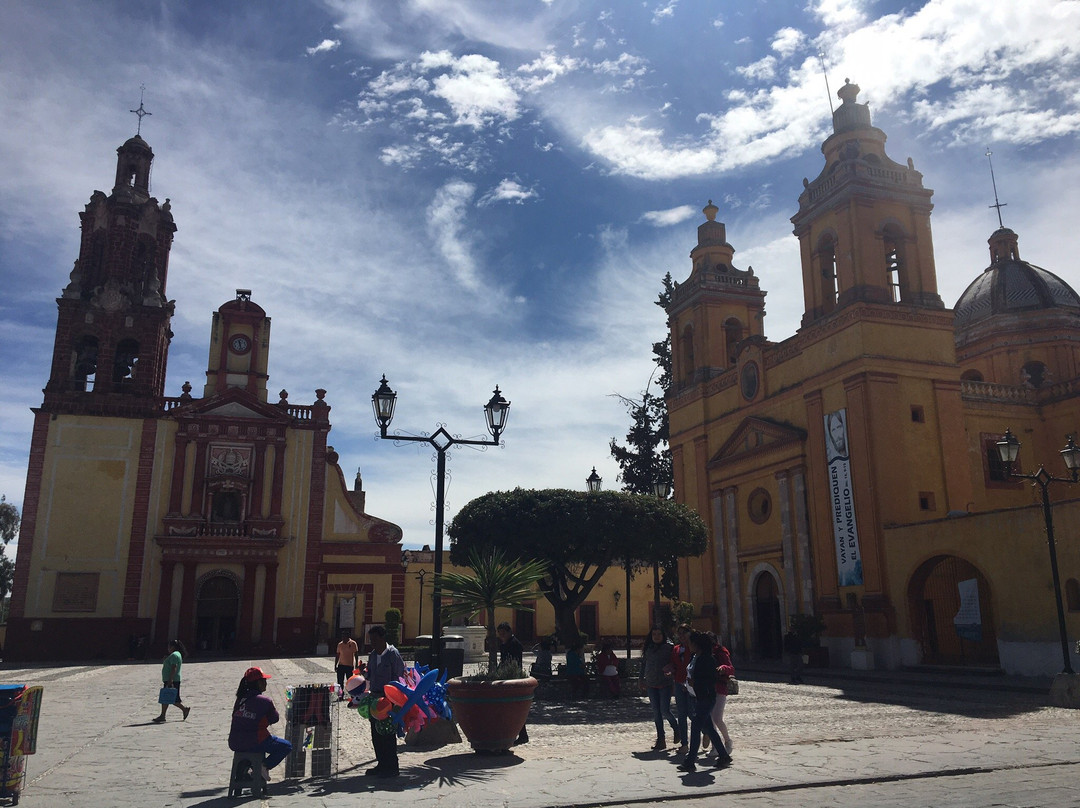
[(768, 627), (218, 607), (952, 613)]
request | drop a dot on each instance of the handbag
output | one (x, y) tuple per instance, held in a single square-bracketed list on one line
[(168, 695), (732, 686)]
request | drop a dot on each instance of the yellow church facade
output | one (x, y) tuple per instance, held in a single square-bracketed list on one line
[(850, 470)]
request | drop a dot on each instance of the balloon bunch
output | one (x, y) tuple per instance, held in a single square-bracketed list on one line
[(406, 705)]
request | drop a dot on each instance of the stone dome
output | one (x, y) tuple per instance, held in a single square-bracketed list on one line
[(1012, 286)]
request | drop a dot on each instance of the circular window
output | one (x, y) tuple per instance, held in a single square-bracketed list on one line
[(748, 380), (759, 505)]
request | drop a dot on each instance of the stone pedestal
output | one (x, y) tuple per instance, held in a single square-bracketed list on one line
[(1065, 690), (474, 642), (862, 659)]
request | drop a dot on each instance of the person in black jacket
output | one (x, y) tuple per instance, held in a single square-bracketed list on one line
[(701, 681), (511, 651)]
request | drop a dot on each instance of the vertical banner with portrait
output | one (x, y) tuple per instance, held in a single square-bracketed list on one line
[(841, 499)]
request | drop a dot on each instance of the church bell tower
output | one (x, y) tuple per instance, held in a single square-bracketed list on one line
[(112, 333)]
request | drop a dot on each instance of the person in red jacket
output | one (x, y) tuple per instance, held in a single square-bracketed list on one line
[(252, 715), (724, 670), (680, 658)]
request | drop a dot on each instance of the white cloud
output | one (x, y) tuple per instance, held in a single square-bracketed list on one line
[(507, 190), (477, 92), (761, 70), (640, 152), (788, 40), (446, 224), (838, 13), (664, 11), (324, 47), (671, 216)]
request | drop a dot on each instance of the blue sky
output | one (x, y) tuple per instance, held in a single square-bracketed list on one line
[(462, 194)]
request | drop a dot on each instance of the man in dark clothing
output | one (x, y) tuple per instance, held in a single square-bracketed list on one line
[(793, 649), (511, 650), (384, 666)]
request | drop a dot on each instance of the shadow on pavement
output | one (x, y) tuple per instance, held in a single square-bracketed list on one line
[(446, 771)]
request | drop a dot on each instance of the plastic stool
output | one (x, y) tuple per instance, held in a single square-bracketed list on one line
[(242, 763)]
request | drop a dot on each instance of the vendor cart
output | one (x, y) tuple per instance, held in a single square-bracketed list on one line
[(20, 707)]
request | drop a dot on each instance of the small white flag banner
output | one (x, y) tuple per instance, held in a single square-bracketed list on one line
[(968, 619)]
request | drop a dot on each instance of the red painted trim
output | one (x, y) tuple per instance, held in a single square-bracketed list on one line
[(139, 516), (269, 605), (316, 502), (358, 569), (186, 627), (164, 606), (247, 607), (31, 502)]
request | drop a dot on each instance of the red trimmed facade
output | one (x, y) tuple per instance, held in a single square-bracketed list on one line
[(223, 520)]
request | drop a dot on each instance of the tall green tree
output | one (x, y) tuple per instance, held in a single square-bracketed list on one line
[(645, 459), (9, 528), (577, 535), (497, 582)]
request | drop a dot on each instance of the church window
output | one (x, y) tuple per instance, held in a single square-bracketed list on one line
[(971, 376), (827, 262), (687, 348), (918, 414), (894, 263), (732, 337), (759, 505), (1033, 375), (125, 361), (927, 501), (84, 363), (226, 506), (1072, 594)]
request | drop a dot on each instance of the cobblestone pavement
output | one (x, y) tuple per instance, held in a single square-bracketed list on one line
[(850, 742)]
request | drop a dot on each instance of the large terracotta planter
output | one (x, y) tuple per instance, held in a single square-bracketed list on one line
[(491, 714)]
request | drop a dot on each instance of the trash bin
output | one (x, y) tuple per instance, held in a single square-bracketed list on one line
[(453, 653)]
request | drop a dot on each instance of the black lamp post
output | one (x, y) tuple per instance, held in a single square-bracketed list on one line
[(593, 482), (421, 575), (496, 411), (1009, 450), (661, 490)]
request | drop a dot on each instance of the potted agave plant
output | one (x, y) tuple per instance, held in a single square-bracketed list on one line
[(491, 707)]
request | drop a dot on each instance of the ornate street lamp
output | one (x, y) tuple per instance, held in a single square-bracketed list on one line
[(593, 481), (661, 490), (496, 412), (1009, 449)]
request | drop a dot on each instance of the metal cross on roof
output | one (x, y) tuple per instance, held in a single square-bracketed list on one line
[(997, 204), (140, 111)]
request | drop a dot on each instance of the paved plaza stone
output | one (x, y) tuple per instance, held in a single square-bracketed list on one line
[(846, 739)]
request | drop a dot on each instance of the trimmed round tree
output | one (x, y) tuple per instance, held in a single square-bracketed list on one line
[(578, 535)]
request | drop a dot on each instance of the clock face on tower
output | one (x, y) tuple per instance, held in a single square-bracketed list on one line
[(239, 343)]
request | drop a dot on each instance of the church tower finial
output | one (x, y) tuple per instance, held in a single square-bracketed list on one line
[(141, 111), (997, 205)]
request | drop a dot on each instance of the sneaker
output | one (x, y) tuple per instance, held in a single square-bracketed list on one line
[(723, 763), (660, 744), (689, 766), (159, 720)]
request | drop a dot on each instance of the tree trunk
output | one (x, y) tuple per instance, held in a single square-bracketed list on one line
[(566, 626)]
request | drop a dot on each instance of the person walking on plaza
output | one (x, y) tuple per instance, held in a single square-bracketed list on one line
[(701, 681), (724, 671), (384, 666), (511, 651), (680, 659), (656, 671), (253, 713), (347, 657), (170, 677)]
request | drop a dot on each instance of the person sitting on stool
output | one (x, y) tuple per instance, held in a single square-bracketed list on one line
[(252, 714)]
